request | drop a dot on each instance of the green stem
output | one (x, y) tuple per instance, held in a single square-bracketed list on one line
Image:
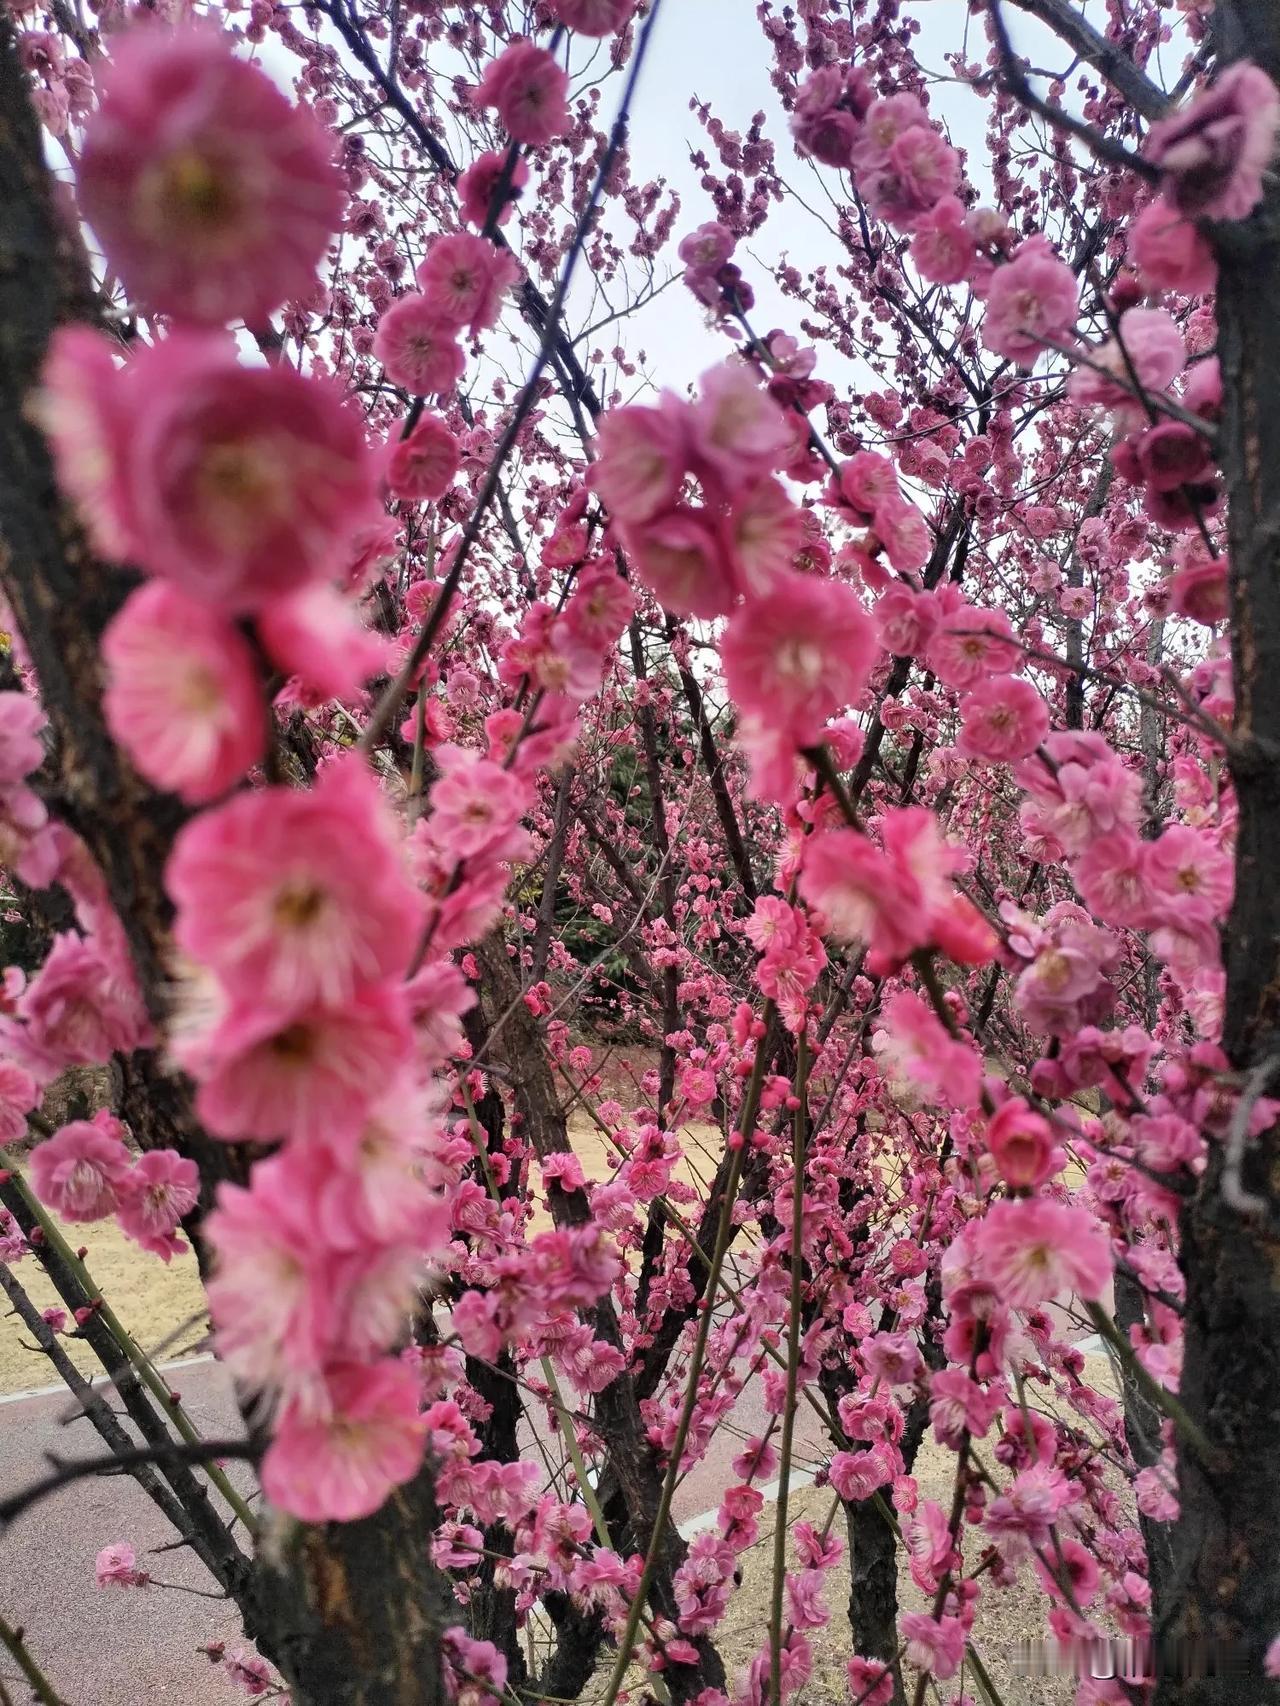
[(793, 1371), (570, 1437), (984, 1677), (133, 1354), (1159, 1396)]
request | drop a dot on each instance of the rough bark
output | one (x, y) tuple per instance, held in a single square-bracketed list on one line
[(1223, 1591)]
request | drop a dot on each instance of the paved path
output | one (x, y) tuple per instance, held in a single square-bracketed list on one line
[(108, 1647), (125, 1647), (117, 1647)]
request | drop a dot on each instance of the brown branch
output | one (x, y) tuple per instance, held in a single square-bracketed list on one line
[(1107, 58)]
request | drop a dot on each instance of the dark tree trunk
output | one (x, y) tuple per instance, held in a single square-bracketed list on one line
[(1224, 1587), (1142, 1433)]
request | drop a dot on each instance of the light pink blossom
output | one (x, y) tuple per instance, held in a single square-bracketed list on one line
[(1032, 303), (81, 1172), (183, 697), (213, 195), (1034, 1250), (292, 896), (340, 1464)]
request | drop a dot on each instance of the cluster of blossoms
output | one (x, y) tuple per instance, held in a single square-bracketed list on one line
[(317, 996), (950, 874), (80, 1006)]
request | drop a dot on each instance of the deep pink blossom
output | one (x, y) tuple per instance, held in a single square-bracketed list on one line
[(19, 1093), (870, 1681), (943, 247), (422, 466), (641, 456), (479, 184), (317, 638), (593, 17), (83, 1004), (683, 557), (935, 1646), (308, 1072), (1213, 153), (529, 90), (418, 348), (1022, 1145), (920, 1058), (735, 428), (465, 278), (284, 1303), (863, 895), (1170, 252), (21, 749)]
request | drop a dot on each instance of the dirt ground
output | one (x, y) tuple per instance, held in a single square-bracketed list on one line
[(152, 1300), (164, 1308), (1005, 1618), (156, 1302)]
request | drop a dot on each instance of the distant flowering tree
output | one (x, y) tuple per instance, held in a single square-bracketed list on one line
[(880, 731)]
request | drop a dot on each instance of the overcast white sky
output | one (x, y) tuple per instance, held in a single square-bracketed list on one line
[(715, 50)]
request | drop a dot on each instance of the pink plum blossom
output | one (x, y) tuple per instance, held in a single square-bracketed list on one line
[(683, 557), (593, 17), (292, 896), (641, 455), (480, 182), (162, 1188), (214, 197), (235, 483), (465, 279), (81, 1172), (422, 466), (310, 1071), (1002, 720), (117, 1566), (339, 1465), (529, 90), (1032, 303), (1170, 252), (799, 654), (1035, 1249), (1213, 153), (418, 347), (183, 696), (317, 638), (19, 1094)]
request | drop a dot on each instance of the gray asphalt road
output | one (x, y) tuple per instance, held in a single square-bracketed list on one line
[(108, 1647), (124, 1647)]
